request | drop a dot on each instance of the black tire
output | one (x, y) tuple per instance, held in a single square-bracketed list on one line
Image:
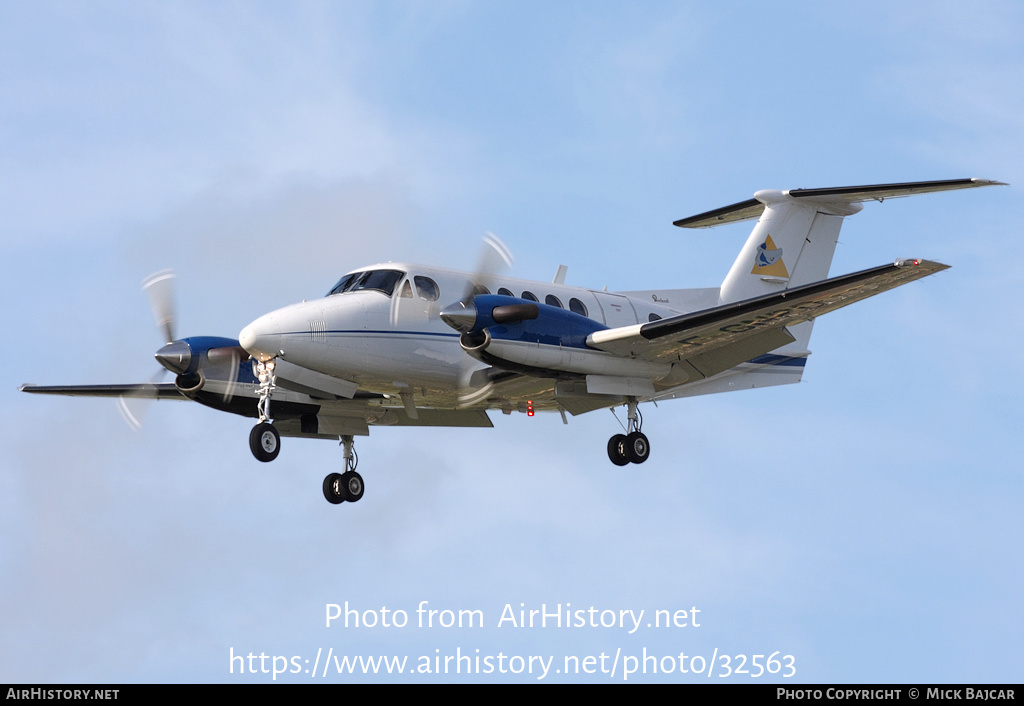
[(617, 450), (352, 486), (264, 442), (334, 489), (638, 449)]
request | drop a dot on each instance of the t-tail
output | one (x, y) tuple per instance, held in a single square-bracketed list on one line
[(794, 240)]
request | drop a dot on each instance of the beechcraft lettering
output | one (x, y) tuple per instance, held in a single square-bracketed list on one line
[(408, 345)]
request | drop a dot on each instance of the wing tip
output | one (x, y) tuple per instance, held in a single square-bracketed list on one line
[(921, 262)]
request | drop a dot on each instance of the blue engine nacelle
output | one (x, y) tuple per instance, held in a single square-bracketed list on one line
[(505, 318), (538, 339), (193, 359)]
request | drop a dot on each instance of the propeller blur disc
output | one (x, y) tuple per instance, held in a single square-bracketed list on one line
[(159, 287)]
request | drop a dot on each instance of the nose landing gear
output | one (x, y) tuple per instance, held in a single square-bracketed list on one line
[(264, 440), (631, 447)]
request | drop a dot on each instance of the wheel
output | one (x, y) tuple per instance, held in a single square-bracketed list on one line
[(637, 447), (617, 450), (264, 442), (334, 489), (352, 485)]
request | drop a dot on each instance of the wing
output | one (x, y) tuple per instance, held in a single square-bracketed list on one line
[(717, 339), (144, 390)]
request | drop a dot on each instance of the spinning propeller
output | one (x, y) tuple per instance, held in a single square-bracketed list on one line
[(194, 362), (495, 257), (159, 288)]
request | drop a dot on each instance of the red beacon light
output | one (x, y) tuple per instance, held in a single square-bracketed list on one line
[(529, 408)]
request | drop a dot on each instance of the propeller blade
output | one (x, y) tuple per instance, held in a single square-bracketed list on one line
[(134, 405), (159, 287), (475, 385), (223, 368), (469, 397), (495, 257)]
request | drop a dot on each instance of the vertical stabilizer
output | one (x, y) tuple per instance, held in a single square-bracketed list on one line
[(792, 244)]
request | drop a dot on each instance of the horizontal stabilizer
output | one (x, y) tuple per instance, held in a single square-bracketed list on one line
[(753, 208)]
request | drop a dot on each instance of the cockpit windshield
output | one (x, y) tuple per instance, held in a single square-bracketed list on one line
[(383, 281)]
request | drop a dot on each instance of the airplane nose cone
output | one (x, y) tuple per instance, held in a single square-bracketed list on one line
[(261, 338), (247, 338), (175, 356), (461, 316)]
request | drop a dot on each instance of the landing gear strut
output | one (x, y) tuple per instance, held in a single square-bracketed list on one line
[(264, 441), (339, 487), (631, 447)]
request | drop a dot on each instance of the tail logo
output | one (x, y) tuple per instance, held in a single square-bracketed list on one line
[(768, 260)]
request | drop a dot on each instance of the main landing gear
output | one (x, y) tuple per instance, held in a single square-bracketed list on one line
[(265, 444), (339, 487), (631, 447)]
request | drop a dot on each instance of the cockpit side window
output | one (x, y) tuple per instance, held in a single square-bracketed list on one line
[(427, 288), (383, 281)]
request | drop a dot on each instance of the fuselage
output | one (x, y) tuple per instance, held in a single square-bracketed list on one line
[(380, 327)]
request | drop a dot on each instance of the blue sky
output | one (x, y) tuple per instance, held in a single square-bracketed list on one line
[(866, 521)]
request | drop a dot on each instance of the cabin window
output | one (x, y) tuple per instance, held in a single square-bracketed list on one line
[(505, 292), (427, 288), (577, 307), (531, 296), (552, 300), (653, 317)]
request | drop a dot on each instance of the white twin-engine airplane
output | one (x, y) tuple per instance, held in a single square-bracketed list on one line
[(406, 345)]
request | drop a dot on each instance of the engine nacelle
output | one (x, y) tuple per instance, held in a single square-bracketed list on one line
[(518, 334), (190, 383), (198, 359)]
